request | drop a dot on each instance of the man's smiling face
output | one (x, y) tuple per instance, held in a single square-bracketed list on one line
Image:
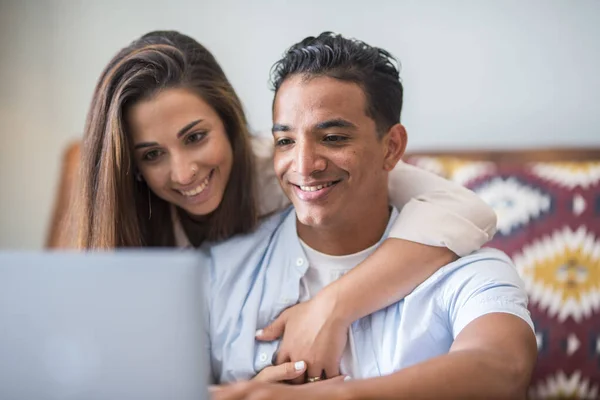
[(329, 158)]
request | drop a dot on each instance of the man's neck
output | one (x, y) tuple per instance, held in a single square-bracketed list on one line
[(348, 237)]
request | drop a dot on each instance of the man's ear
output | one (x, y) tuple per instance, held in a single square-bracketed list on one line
[(394, 146)]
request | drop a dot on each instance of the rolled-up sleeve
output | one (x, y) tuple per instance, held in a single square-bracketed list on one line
[(437, 212)]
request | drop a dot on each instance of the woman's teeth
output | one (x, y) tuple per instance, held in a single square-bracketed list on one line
[(197, 190), (315, 188)]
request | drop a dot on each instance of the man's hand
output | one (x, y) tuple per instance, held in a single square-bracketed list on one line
[(253, 390), (312, 332)]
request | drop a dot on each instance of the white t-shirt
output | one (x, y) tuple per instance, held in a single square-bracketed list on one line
[(433, 210), (324, 269)]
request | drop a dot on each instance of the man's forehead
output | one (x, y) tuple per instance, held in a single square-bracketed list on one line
[(319, 98)]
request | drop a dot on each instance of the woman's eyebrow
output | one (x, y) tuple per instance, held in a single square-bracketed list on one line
[(186, 128)]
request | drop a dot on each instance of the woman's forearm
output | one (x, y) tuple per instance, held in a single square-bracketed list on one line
[(387, 276)]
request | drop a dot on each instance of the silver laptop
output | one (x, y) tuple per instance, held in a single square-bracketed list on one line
[(124, 325)]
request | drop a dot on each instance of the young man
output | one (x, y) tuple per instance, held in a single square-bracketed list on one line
[(463, 333)]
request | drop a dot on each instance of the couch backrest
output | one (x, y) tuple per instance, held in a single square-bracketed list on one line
[(549, 223), (58, 229)]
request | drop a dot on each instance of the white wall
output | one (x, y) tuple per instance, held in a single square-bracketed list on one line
[(30, 142), (477, 74)]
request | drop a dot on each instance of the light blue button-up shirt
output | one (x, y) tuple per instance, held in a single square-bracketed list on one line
[(253, 278)]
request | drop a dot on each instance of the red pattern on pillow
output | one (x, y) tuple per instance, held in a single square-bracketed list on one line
[(549, 223)]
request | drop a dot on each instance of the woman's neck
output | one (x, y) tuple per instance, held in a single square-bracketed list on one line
[(196, 228)]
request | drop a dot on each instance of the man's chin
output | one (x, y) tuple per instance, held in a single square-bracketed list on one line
[(313, 219)]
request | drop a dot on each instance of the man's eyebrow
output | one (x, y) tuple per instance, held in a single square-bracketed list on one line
[(330, 123), (280, 128), (335, 123)]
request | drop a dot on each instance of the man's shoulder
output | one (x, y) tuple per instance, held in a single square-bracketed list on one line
[(486, 263), (471, 274), (483, 282)]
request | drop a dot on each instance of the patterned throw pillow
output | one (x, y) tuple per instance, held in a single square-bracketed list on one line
[(549, 223)]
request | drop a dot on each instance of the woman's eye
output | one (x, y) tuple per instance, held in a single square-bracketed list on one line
[(335, 138), (283, 142), (194, 137), (152, 155)]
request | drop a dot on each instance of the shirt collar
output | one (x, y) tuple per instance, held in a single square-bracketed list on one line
[(295, 256)]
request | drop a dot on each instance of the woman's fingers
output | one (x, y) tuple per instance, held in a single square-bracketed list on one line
[(283, 372), (325, 371), (282, 356), (298, 380), (332, 370), (273, 331), (214, 388), (337, 379), (323, 375)]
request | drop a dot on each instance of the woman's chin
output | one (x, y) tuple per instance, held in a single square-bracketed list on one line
[(199, 212)]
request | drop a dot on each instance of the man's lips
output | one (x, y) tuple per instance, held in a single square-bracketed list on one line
[(314, 190)]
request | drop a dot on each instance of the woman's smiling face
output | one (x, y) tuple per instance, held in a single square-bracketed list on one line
[(181, 149)]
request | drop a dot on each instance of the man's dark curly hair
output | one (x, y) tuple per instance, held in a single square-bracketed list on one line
[(331, 55)]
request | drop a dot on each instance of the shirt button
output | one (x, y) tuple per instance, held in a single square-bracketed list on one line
[(299, 262), (263, 357)]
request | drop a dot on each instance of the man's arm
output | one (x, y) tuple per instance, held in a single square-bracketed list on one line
[(494, 348), (492, 358)]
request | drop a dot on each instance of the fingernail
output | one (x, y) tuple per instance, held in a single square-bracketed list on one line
[(259, 332), (299, 365), (347, 378)]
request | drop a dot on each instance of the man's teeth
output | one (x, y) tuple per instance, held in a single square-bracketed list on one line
[(315, 188), (197, 190)]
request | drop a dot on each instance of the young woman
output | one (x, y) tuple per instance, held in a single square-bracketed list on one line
[(167, 160)]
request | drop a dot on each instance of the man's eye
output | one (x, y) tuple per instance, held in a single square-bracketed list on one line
[(283, 142), (152, 155), (334, 138), (195, 137)]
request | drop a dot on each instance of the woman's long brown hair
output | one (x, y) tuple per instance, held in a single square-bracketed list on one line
[(112, 208)]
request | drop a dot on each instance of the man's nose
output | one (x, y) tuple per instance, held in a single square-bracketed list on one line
[(308, 159)]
